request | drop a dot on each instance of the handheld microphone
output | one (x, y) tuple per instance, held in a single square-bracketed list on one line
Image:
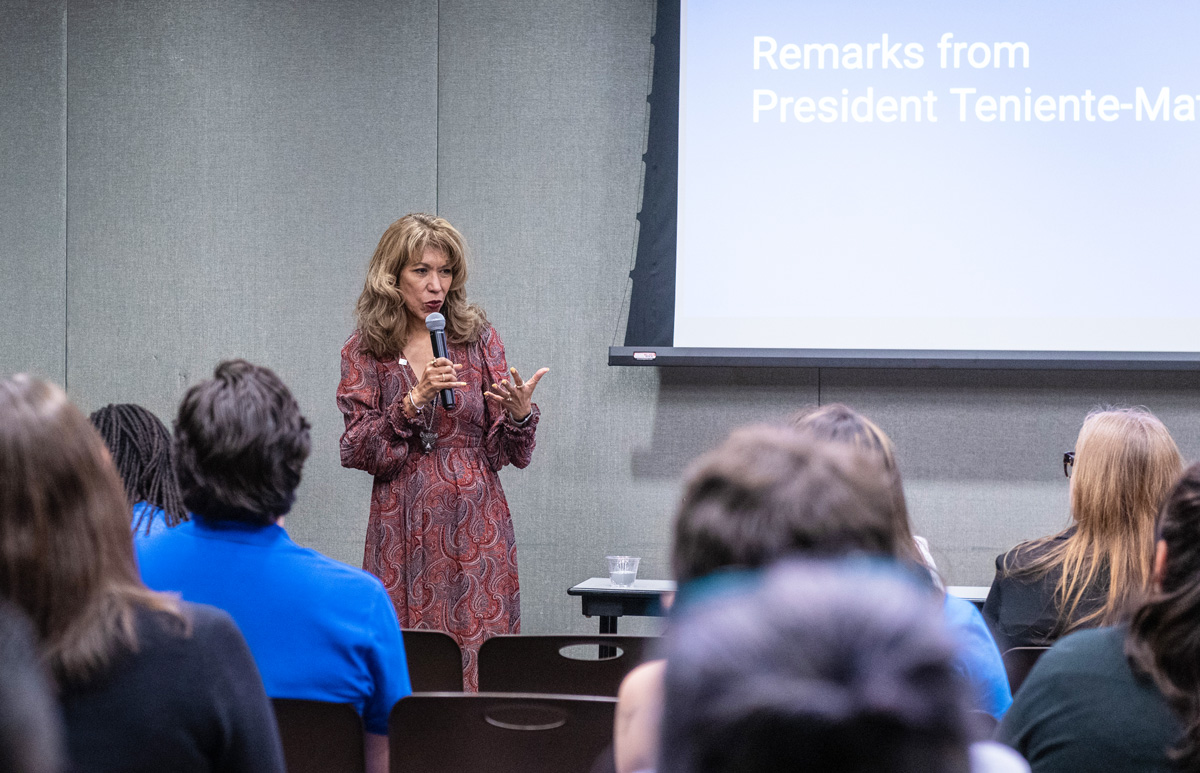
[(436, 325)]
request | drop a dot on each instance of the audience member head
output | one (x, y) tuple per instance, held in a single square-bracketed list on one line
[(141, 448), (66, 558), (1164, 634), (30, 728), (841, 669), (837, 423), (382, 319), (240, 444), (1125, 464), (768, 492)]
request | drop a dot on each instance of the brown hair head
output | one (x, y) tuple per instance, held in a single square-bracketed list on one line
[(768, 492), (838, 423), (1125, 464), (382, 320), (66, 553)]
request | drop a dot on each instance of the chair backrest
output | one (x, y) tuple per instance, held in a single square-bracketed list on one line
[(1018, 662), (320, 737), (434, 661), (537, 664), (452, 732)]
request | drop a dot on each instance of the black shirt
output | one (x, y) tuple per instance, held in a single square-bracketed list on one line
[(1021, 608), (182, 702)]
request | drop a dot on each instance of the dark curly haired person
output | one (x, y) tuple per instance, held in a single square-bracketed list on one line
[(319, 629)]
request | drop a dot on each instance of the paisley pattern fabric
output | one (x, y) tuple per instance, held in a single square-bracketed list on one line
[(440, 535)]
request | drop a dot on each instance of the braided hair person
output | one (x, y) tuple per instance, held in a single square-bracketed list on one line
[(141, 449)]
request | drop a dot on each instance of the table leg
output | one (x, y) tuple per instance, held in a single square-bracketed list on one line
[(608, 624)]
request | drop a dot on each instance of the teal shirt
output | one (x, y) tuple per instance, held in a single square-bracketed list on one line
[(1083, 709)]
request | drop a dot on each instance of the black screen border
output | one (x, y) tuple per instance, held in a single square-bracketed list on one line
[(650, 331)]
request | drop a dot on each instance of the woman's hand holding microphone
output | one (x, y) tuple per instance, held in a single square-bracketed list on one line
[(438, 375)]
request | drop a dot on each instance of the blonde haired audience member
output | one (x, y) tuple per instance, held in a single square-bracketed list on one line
[(1124, 463), (978, 657), (838, 423)]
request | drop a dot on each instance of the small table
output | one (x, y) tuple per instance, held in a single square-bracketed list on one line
[(608, 602), (644, 598)]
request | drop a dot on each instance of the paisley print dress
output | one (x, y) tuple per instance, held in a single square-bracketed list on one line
[(440, 535)]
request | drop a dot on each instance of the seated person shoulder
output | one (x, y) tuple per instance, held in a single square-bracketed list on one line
[(319, 629)]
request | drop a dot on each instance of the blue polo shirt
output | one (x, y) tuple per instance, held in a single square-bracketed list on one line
[(978, 658), (319, 629)]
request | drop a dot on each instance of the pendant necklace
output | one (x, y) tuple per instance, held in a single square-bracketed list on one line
[(428, 436)]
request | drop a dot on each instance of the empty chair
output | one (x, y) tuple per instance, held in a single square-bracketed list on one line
[(452, 732), (434, 661), (1018, 662), (545, 664), (320, 737)]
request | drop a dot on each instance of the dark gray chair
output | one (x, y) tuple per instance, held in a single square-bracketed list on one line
[(434, 661), (539, 664), (1018, 662), (453, 732), (320, 737)]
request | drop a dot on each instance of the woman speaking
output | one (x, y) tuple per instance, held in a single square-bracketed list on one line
[(440, 535)]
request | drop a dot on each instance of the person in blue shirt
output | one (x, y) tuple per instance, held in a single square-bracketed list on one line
[(978, 658), (140, 446), (319, 629)]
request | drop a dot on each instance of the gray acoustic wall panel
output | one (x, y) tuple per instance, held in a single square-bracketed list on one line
[(542, 126), (232, 166), (981, 451), (32, 188)]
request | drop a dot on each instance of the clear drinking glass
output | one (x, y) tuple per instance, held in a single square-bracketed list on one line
[(622, 570)]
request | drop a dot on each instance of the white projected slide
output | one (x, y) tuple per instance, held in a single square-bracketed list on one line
[(971, 175)]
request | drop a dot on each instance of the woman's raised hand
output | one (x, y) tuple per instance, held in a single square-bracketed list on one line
[(516, 396), (438, 375)]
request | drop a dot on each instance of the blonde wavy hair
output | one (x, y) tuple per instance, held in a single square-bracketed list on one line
[(1126, 462), (380, 315)]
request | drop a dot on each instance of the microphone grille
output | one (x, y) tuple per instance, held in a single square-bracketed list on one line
[(434, 322)]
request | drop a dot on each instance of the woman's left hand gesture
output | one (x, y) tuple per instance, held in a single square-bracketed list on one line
[(516, 396)]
